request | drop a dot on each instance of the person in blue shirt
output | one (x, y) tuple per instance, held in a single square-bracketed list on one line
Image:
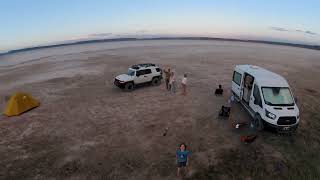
[(182, 156)]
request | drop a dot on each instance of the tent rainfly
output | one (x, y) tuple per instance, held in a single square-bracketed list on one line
[(20, 103)]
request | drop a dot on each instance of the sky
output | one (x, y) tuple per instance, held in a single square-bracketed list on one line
[(27, 23)]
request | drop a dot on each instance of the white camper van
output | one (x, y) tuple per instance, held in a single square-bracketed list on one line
[(266, 96)]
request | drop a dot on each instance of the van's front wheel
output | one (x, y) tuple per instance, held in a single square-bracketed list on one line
[(258, 122)]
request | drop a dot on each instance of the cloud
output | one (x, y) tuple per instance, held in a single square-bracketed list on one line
[(142, 31), (279, 29), (310, 32), (100, 34), (307, 32)]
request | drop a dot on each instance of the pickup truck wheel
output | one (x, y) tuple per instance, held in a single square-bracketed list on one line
[(155, 81), (129, 86), (258, 122)]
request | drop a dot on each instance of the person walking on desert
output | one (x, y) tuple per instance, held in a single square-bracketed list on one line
[(167, 78), (172, 83), (184, 84)]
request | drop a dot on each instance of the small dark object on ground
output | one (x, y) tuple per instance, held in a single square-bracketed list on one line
[(225, 111), (165, 131), (279, 168), (219, 91), (248, 139)]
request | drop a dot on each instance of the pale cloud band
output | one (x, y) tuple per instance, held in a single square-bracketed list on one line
[(289, 30)]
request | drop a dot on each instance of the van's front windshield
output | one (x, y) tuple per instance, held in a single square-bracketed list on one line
[(277, 96), (131, 72)]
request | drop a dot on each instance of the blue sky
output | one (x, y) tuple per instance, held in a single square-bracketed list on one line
[(27, 23)]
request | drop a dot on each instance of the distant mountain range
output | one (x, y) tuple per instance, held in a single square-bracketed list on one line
[(315, 47)]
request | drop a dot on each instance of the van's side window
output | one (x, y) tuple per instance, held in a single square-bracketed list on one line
[(237, 77), (256, 95)]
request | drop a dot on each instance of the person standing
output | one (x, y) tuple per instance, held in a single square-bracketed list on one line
[(184, 84), (172, 83), (182, 157), (167, 78)]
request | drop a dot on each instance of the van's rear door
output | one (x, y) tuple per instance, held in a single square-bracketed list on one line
[(236, 83)]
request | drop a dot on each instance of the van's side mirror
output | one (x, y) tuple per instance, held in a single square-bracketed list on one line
[(296, 99)]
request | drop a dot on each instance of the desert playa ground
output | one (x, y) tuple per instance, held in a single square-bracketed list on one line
[(86, 128)]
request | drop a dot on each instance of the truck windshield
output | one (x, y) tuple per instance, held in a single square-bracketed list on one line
[(131, 72), (277, 96)]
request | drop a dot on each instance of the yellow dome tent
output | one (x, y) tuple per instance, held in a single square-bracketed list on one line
[(19, 103)]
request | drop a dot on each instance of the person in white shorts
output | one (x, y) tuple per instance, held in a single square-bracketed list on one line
[(184, 84), (172, 82)]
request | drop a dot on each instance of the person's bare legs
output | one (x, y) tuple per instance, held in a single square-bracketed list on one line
[(184, 89), (186, 169), (167, 84), (178, 172)]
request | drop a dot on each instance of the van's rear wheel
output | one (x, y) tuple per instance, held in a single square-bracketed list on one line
[(155, 81), (258, 122), (129, 86)]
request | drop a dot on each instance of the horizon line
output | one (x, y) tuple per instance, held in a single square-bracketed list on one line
[(75, 42)]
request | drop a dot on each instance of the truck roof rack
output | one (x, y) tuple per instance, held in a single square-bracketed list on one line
[(138, 66)]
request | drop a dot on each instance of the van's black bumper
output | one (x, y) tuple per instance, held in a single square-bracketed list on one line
[(288, 128)]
